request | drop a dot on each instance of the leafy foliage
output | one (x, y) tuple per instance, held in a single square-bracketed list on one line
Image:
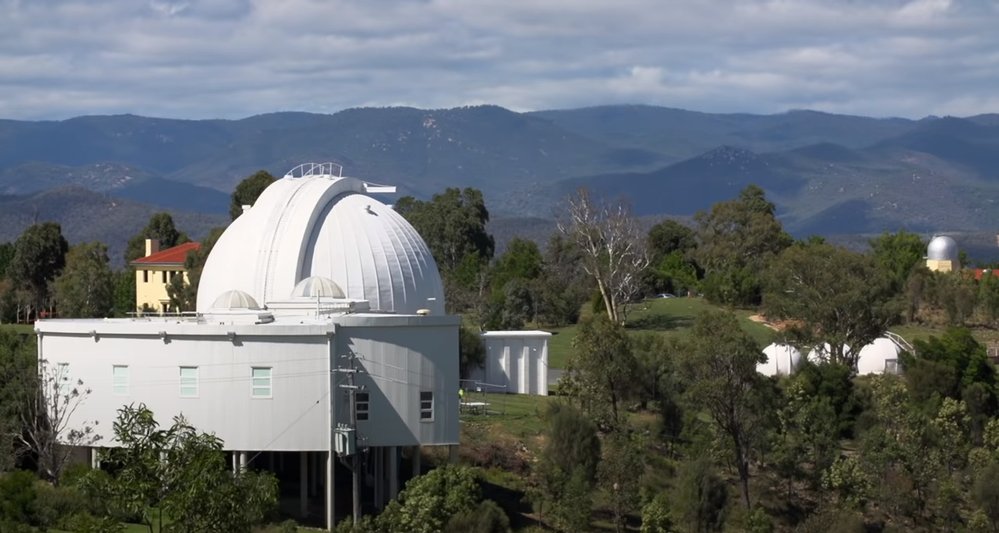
[(85, 288), (159, 227), (247, 191), (603, 368), (39, 256), (430, 501)]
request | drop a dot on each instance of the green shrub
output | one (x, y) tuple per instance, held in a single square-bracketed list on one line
[(486, 518)]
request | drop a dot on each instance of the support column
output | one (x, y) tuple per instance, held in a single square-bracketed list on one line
[(452, 453), (242, 461), (303, 484), (235, 462), (330, 465), (95, 458), (417, 457), (393, 472)]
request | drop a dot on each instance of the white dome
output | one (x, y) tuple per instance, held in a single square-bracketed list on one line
[(879, 357), (322, 225), (782, 360), (942, 248), (317, 286), (235, 299)]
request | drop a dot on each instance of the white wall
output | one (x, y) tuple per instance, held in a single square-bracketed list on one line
[(517, 360)]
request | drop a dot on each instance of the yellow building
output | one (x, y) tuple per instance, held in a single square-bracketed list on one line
[(154, 272)]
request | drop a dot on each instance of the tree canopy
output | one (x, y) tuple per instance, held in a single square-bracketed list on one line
[(39, 256), (247, 191), (159, 227), (85, 289)]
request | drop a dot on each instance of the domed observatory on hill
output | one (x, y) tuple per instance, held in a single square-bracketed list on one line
[(782, 360), (320, 333), (942, 254)]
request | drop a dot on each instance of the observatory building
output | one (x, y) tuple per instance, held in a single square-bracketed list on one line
[(941, 254), (320, 335)]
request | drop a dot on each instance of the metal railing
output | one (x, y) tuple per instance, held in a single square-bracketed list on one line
[(328, 168)]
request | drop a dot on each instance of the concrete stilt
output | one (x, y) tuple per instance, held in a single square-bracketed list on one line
[(330, 465), (235, 462), (393, 472), (95, 458), (303, 484), (452, 453), (417, 457), (242, 461)]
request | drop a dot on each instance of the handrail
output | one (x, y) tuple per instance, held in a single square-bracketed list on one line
[(328, 168)]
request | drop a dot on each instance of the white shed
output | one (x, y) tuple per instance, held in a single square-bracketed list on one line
[(516, 361), (879, 357)]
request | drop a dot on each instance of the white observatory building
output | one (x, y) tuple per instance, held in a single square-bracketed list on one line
[(320, 333), (942, 254)]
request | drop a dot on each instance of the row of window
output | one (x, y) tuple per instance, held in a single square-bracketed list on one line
[(260, 387), (166, 275), (260, 379)]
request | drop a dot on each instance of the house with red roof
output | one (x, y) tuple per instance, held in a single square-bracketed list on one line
[(155, 271)]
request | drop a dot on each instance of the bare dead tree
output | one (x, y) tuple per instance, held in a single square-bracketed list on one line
[(612, 247), (46, 420)]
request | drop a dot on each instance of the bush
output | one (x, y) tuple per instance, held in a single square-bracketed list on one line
[(18, 497), (431, 500), (656, 517), (486, 518)]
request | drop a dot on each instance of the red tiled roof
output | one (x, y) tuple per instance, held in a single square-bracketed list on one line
[(170, 256), (978, 273)]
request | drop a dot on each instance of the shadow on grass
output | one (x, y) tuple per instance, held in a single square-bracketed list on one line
[(658, 322), (513, 503)]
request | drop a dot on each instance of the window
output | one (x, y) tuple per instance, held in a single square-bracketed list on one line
[(188, 382), (145, 276), (119, 380), (361, 405), (426, 405), (261, 377), (62, 378), (164, 276)]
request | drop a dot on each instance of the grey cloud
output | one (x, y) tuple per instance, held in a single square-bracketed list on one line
[(234, 58)]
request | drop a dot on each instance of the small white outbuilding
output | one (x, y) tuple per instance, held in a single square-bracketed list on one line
[(879, 357), (516, 361)]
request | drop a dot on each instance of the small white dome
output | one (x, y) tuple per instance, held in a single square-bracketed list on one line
[(782, 360), (879, 357), (942, 248), (317, 286), (235, 299)]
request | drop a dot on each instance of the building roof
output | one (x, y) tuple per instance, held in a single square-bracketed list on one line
[(942, 248), (171, 256), (322, 224)]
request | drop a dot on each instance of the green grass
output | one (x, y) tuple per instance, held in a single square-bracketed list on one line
[(669, 316), (518, 414), (18, 328)]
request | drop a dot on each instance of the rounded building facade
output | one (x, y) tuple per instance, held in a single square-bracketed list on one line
[(323, 226)]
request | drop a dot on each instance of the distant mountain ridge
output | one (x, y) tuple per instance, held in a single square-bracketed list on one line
[(827, 173)]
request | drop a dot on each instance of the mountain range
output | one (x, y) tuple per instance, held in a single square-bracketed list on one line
[(828, 174)]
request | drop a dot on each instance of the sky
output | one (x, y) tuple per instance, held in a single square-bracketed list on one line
[(199, 59)]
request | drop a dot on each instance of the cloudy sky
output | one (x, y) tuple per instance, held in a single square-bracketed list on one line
[(236, 58)]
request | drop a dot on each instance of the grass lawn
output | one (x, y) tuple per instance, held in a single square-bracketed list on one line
[(671, 316), (519, 415)]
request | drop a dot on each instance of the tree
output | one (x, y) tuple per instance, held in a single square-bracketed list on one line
[(453, 224), (431, 500), (898, 254), (949, 366), (719, 362), (567, 466), (183, 293), (180, 472), (39, 256), (159, 227), (699, 497), (563, 285), (832, 295), (85, 289), (613, 252), (6, 255), (521, 260), (248, 190), (48, 429), (737, 239), (472, 352), (656, 516), (619, 472), (603, 368), (18, 368), (124, 292)]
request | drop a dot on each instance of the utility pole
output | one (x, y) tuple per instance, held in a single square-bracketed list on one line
[(351, 389)]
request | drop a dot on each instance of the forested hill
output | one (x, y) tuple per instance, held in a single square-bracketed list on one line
[(827, 173)]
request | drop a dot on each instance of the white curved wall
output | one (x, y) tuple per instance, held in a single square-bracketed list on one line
[(782, 360)]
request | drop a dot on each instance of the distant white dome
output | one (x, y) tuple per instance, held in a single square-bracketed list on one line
[(782, 360), (322, 225), (234, 299), (879, 357), (317, 286), (942, 248), (822, 354)]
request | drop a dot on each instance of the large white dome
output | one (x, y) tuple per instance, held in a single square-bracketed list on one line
[(942, 248), (323, 225), (879, 357), (782, 360)]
